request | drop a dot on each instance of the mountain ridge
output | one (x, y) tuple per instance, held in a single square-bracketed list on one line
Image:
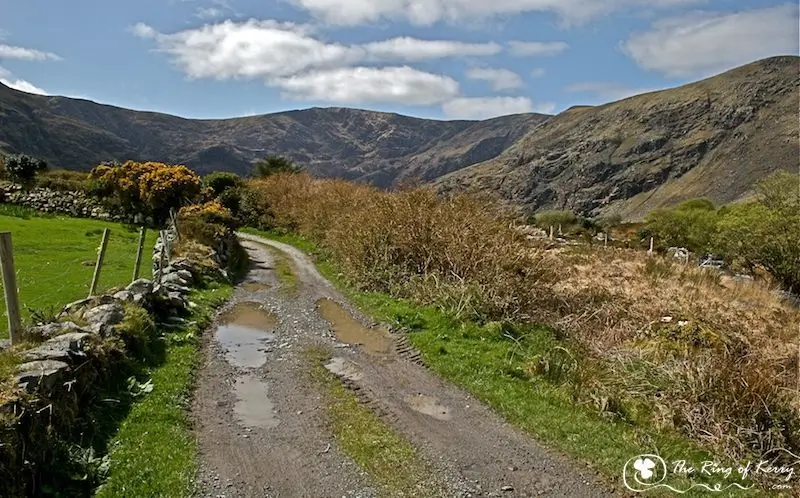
[(715, 138)]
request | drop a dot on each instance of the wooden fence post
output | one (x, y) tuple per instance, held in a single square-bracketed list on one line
[(99, 265), (139, 249), (175, 224), (10, 287), (605, 239), (650, 251), (163, 235), (551, 232)]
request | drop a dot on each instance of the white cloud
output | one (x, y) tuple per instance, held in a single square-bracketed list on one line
[(253, 49), (499, 79), (294, 59), (142, 30), (399, 85), (428, 12), (537, 49), (703, 43), (269, 48), (27, 54), (22, 85), (412, 49), (485, 107), (537, 72), (607, 90)]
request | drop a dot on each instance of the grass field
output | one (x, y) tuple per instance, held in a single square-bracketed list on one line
[(54, 258)]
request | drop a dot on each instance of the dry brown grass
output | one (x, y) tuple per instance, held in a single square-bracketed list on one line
[(722, 368), (713, 357)]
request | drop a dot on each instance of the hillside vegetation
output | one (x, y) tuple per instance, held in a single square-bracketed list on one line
[(377, 147), (714, 138), (646, 341)]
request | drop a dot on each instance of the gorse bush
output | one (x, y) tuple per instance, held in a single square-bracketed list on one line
[(451, 252), (21, 168), (150, 187), (691, 224)]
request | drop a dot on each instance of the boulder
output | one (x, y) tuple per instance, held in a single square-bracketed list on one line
[(173, 278), (42, 374), (64, 348), (50, 330), (103, 318)]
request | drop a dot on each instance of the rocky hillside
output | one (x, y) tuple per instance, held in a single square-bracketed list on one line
[(346, 143), (713, 138)]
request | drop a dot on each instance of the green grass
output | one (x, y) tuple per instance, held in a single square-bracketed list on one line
[(154, 452), (495, 369), (389, 459), (54, 258)]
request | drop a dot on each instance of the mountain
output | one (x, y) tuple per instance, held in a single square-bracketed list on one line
[(713, 138), (377, 147)]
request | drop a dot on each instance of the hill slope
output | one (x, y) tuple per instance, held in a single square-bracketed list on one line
[(345, 143), (712, 138)]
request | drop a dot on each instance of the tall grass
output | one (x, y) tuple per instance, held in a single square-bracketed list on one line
[(652, 342)]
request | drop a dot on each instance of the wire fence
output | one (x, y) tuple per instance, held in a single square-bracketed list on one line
[(54, 262)]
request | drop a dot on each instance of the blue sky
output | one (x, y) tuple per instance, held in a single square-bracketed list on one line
[(452, 59)]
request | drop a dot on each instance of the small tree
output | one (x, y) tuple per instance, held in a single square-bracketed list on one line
[(546, 219), (271, 165), (220, 181), (22, 169), (691, 224)]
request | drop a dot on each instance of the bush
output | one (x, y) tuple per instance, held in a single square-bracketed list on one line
[(22, 169), (149, 188), (765, 234), (547, 219), (456, 253), (272, 165), (221, 181), (65, 180), (691, 224)]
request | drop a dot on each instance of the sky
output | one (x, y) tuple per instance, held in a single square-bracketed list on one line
[(440, 59)]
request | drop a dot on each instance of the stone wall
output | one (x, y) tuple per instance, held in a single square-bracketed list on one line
[(75, 357), (72, 203)]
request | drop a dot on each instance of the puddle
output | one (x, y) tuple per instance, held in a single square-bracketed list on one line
[(253, 408), (428, 405), (348, 330), (255, 286), (344, 368), (244, 332)]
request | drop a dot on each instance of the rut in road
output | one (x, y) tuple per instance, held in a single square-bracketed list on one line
[(261, 425)]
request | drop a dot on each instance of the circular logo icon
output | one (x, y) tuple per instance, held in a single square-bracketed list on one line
[(643, 472)]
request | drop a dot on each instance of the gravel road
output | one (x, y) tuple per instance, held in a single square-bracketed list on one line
[(260, 424)]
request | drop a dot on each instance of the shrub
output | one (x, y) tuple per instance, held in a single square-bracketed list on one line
[(21, 168), (691, 224), (272, 165), (62, 179), (151, 188), (547, 219), (221, 181)]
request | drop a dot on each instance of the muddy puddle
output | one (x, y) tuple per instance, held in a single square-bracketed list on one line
[(428, 405), (348, 330), (253, 408), (245, 332), (255, 286)]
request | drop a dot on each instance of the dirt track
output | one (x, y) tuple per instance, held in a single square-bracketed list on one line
[(261, 426)]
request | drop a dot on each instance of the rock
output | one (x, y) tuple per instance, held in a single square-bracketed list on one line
[(102, 318), (141, 286), (63, 348), (177, 288), (507, 488), (124, 295), (174, 278), (5, 344), (50, 330), (78, 306), (175, 300), (185, 274), (43, 374)]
